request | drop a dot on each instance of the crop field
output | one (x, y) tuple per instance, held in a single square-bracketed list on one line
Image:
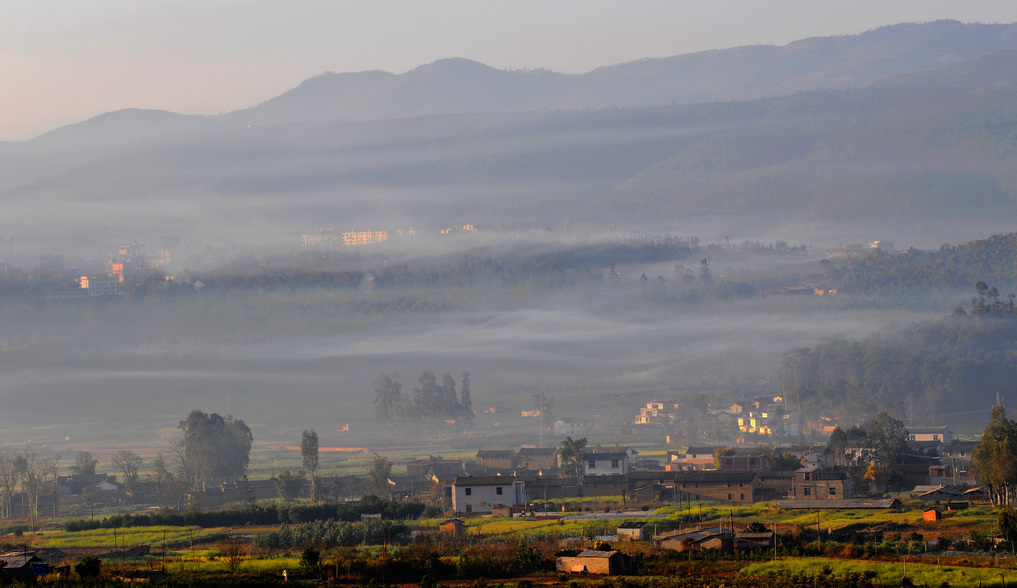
[(890, 573)]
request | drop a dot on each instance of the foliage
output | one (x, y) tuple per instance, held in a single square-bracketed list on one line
[(214, 449), (84, 464), (331, 533), (309, 457), (88, 566), (260, 515), (433, 408), (570, 453), (288, 485), (996, 457)]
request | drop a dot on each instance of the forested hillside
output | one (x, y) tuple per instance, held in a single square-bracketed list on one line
[(992, 260)]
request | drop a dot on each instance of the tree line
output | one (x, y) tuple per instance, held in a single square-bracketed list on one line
[(927, 371), (433, 408)]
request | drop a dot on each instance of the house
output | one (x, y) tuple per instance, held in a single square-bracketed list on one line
[(710, 538), (633, 531), (744, 460), (496, 458), (608, 485), (479, 494), (605, 464), (738, 487), (571, 427), (932, 515), (811, 483), (537, 457), (433, 465), (657, 413), (550, 488), (941, 434), (589, 561), (694, 458)]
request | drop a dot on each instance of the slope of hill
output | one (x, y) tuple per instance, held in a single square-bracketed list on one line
[(742, 73)]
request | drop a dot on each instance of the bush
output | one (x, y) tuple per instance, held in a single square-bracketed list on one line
[(88, 566)]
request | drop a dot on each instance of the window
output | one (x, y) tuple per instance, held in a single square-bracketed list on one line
[(741, 496), (807, 491), (591, 465), (729, 497), (935, 437), (614, 464), (833, 490), (498, 490), (469, 491)]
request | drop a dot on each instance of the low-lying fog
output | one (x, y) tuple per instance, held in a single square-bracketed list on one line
[(87, 379)]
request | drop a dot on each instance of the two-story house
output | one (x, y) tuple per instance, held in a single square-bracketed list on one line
[(605, 464), (479, 494)]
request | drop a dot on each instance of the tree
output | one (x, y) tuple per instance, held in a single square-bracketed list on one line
[(128, 463), (388, 398), (782, 462), (288, 485), (571, 455), (88, 566), (214, 449), (311, 560), (8, 481), (309, 455), (996, 457), (234, 551), (33, 471), (84, 464), (889, 439), (379, 472)]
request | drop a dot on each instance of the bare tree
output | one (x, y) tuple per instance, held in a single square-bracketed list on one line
[(33, 471), (234, 551), (128, 463)]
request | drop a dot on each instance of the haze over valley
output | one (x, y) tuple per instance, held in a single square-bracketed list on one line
[(646, 229)]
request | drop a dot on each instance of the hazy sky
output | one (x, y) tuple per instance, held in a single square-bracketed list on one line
[(62, 62)]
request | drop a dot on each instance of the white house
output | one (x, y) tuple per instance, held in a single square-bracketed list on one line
[(605, 464), (479, 494), (941, 434), (571, 427)]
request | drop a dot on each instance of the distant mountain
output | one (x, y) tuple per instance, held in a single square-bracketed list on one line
[(931, 145), (743, 73)]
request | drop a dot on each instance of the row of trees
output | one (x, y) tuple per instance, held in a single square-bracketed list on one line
[(433, 408), (920, 370)]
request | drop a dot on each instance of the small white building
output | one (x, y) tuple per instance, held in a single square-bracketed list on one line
[(480, 494), (941, 434), (571, 427), (605, 464)]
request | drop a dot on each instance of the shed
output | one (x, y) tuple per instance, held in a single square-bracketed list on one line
[(454, 527), (608, 563), (633, 531), (931, 514)]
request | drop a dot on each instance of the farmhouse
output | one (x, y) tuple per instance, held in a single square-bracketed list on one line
[(605, 464), (633, 531), (480, 494)]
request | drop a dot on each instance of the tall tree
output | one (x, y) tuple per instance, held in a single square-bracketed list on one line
[(466, 403), (309, 456), (570, 453), (84, 464), (8, 482), (33, 471), (889, 439), (214, 449), (379, 472), (996, 457)]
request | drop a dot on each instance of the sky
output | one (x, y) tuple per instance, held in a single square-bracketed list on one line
[(63, 62)]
